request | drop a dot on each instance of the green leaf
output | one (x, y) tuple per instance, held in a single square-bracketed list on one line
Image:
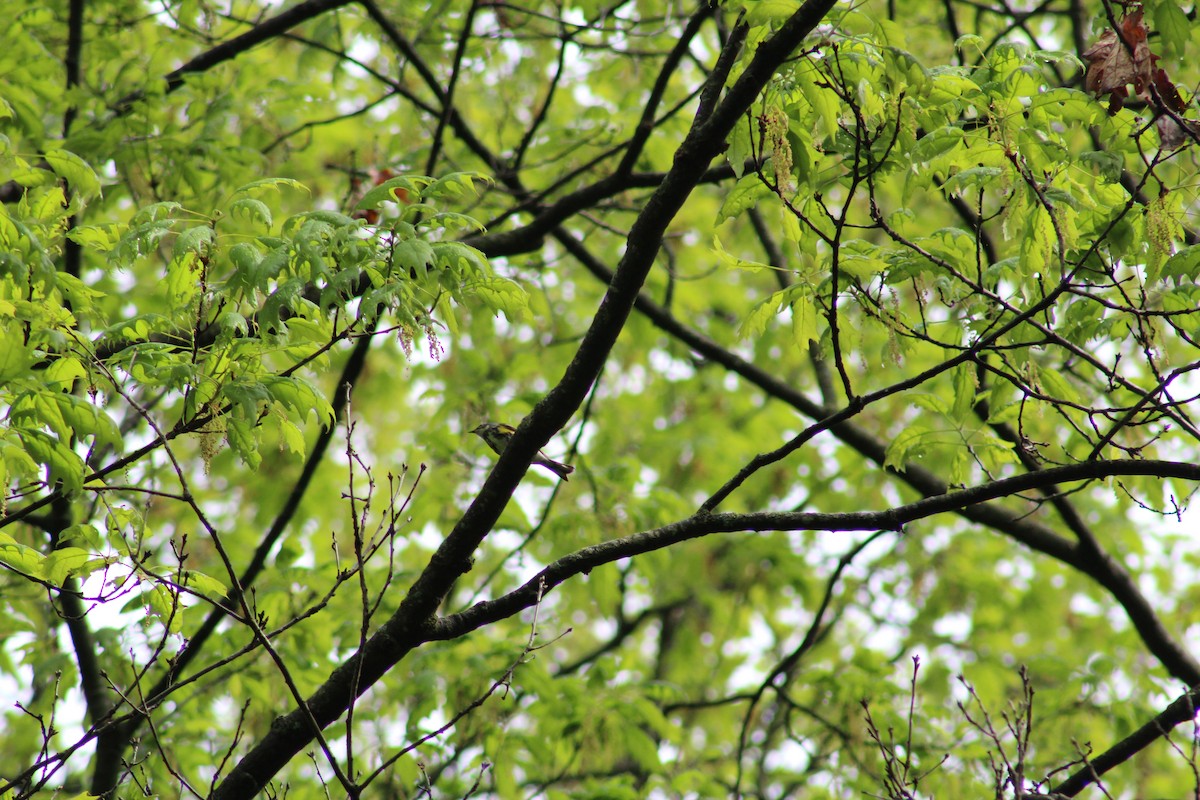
[(757, 320), (50, 205), (84, 182), (1057, 386), (501, 294), (455, 185), (804, 319), (739, 150), (642, 747), (293, 437), (15, 357), (61, 463), (21, 558), (299, 396), (766, 12), (1109, 165), (101, 238), (265, 186), (183, 278), (196, 239), (745, 195), (734, 262), (17, 461), (964, 392), (1183, 265), (165, 606), (64, 563), (82, 419), (156, 212), (252, 210), (1038, 242), (1173, 24), (204, 585), (413, 254), (973, 178), (405, 188), (239, 432), (937, 143), (908, 444)]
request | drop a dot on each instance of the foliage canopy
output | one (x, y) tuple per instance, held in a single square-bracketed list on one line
[(870, 331)]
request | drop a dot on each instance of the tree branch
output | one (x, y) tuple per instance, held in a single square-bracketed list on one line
[(1181, 710), (413, 619), (1099, 566), (701, 524), (233, 48)]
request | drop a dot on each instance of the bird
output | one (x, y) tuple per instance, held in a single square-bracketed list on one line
[(497, 435)]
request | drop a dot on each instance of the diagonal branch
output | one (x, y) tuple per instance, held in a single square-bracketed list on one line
[(112, 742), (1098, 565), (1181, 710), (233, 48), (413, 621)]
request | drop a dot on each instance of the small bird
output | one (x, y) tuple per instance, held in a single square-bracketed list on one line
[(497, 435)]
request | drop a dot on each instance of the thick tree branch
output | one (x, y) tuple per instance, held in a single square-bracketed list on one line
[(583, 561), (414, 618), (1181, 710), (1101, 567), (645, 126), (233, 48)]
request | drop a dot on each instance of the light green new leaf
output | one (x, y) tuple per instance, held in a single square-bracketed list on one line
[(745, 194), (300, 396), (768, 12), (973, 178), (804, 319), (21, 558), (937, 143), (204, 585), (63, 372), (183, 278), (49, 206), (15, 356), (78, 418), (501, 294), (730, 260), (761, 315), (252, 210), (267, 186), (906, 445), (239, 432), (413, 254), (1038, 242), (964, 392), (404, 189), (164, 605), (64, 563), (455, 185), (101, 238), (163, 210), (76, 172), (61, 462)]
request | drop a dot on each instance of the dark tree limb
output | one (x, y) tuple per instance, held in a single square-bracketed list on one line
[(413, 621), (1100, 566), (583, 561), (226, 51), (1181, 710)]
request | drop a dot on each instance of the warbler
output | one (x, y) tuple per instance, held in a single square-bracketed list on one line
[(498, 435)]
